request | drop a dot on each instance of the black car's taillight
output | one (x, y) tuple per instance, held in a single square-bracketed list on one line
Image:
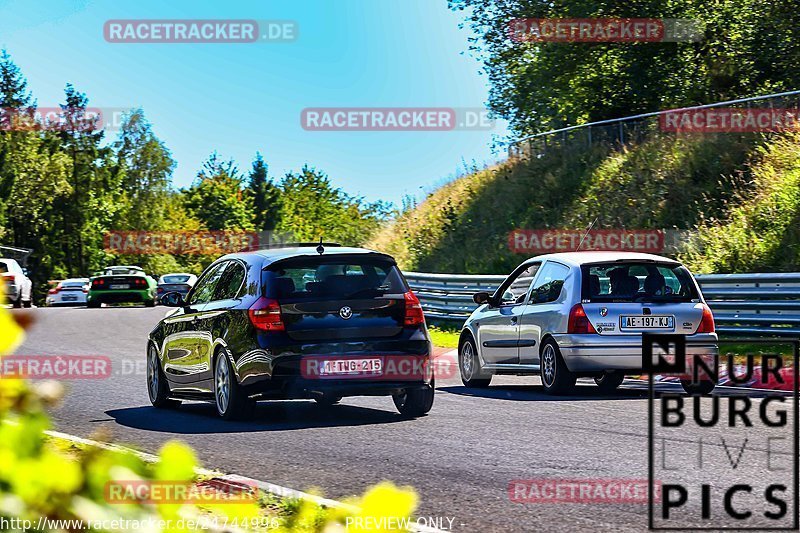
[(265, 315), (414, 314)]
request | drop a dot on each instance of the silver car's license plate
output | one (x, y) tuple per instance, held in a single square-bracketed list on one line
[(647, 322)]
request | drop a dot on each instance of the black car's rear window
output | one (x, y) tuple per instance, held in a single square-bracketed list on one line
[(637, 282), (328, 278)]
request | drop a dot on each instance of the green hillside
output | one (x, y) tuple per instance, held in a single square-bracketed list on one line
[(738, 193)]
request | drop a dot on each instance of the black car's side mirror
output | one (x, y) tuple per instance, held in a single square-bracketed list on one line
[(481, 298), (173, 299)]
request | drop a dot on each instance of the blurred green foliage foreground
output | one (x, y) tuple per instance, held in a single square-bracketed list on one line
[(49, 484)]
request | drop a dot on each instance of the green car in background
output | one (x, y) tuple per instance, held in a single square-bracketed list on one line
[(121, 284)]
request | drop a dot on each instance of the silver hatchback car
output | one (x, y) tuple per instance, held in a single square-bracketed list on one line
[(582, 314)]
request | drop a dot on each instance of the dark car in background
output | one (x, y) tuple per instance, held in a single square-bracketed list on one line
[(293, 323), (181, 283)]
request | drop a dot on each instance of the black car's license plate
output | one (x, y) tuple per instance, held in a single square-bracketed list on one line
[(368, 367)]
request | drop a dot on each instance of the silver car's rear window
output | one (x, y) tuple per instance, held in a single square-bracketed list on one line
[(637, 282)]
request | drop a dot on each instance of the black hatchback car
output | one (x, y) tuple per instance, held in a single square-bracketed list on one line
[(293, 323)]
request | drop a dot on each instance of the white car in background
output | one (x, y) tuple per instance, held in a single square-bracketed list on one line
[(18, 285), (68, 292)]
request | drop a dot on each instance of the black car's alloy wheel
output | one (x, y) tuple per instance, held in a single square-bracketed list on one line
[(230, 399), (157, 388)]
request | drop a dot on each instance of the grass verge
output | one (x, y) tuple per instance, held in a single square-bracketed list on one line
[(444, 336)]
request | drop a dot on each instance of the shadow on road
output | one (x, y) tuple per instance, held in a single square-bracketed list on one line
[(631, 390), (200, 418), (535, 393)]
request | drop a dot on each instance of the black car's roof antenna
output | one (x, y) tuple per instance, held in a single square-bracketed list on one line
[(587, 233), (320, 248)]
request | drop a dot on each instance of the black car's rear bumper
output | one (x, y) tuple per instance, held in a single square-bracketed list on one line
[(290, 378), (299, 388)]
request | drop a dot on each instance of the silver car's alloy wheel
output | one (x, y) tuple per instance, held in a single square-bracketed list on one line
[(222, 381), (548, 365), (152, 373), (467, 361)]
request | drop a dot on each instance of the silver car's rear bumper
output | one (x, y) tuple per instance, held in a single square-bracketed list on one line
[(590, 353)]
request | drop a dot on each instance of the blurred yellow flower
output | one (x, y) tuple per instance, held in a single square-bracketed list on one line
[(384, 507), (11, 333)]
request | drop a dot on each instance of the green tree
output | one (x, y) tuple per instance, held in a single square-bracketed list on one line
[(148, 167), (217, 197), (14, 97), (311, 207), (266, 196), (748, 48)]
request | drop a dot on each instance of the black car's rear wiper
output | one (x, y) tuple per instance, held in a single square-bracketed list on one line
[(373, 291)]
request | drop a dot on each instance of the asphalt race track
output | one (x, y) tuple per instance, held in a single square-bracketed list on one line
[(460, 458)]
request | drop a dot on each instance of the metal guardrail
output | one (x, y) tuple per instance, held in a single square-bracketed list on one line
[(631, 128), (743, 304)]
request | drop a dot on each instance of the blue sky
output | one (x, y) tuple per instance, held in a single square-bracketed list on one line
[(241, 98)]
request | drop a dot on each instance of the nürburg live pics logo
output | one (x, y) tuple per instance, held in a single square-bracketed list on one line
[(728, 460)]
